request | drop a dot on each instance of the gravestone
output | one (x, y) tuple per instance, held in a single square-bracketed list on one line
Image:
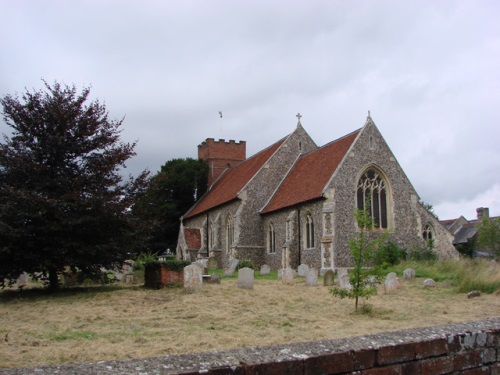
[(303, 269), (280, 273), (341, 272), (288, 275), (233, 263), (312, 277), (22, 280), (391, 283), (245, 278), (228, 273), (214, 279), (212, 264), (344, 282), (193, 277), (129, 278), (265, 269), (429, 283), (329, 278), (409, 274), (200, 265), (128, 267)]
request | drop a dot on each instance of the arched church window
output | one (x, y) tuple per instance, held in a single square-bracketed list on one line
[(271, 239), (372, 196), (427, 233), (211, 236), (229, 234), (309, 231)]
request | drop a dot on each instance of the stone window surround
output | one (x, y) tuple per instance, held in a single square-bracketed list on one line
[(309, 242), (271, 239)]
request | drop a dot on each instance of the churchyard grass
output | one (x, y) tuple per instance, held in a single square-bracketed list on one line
[(122, 322)]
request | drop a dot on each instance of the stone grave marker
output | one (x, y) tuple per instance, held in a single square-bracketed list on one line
[(344, 282), (245, 278), (233, 263), (429, 283), (193, 277), (288, 276), (302, 270), (312, 277), (22, 280), (409, 274), (391, 283), (214, 279), (212, 264), (329, 278), (280, 273), (341, 272), (228, 272), (200, 265), (265, 269)]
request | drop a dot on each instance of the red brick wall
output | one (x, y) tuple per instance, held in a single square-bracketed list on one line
[(219, 155)]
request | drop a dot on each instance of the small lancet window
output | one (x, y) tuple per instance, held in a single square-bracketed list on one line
[(229, 234), (372, 196), (271, 239), (309, 232)]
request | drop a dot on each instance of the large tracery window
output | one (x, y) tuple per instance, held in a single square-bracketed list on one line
[(372, 196)]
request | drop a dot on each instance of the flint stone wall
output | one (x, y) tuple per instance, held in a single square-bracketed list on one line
[(472, 348)]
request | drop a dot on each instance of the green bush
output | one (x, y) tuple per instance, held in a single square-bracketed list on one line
[(245, 263), (424, 254), (142, 259), (389, 254)]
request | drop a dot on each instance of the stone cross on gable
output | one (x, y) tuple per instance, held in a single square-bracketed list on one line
[(299, 116)]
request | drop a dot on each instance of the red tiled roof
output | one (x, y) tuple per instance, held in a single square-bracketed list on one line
[(226, 188), (193, 238), (310, 174)]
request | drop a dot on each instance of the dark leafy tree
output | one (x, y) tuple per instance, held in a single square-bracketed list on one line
[(172, 191), (63, 201), (488, 236)]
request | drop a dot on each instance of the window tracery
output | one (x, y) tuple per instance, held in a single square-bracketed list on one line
[(372, 196)]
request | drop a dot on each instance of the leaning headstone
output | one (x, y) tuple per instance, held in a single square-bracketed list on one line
[(193, 277), (429, 283), (288, 276), (200, 265), (245, 278), (312, 277), (391, 275), (409, 274), (302, 270), (344, 282), (329, 278), (233, 263), (391, 283), (474, 293), (212, 264), (265, 269)]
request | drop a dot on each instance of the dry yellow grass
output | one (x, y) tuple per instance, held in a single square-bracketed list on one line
[(122, 323)]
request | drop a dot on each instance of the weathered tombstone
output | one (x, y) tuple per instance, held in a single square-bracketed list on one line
[(193, 277), (372, 282), (312, 277), (212, 264), (409, 274), (265, 269), (233, 263), (288, 275), (429, 283), (245, 278), (329, 278), (204, 262), (129, 278), (200, 266), (280, 273), (302, 270), (391, 283), (228, 273), (22, 280), (214, 279), (128, 267), (344, 282)]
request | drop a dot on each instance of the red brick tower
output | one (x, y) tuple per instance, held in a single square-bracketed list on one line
[(221, 155)]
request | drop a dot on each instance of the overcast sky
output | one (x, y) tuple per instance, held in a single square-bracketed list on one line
[(429, 72)]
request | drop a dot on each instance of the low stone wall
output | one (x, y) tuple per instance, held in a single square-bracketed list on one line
[(465, 348)]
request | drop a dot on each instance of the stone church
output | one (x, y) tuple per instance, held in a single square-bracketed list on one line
[(294, 202)]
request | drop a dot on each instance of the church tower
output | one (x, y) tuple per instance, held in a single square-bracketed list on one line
[(221, 155)]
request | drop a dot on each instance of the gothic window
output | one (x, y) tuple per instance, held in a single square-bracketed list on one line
[(372, 196), (271, 239), (288, 230), (211, 236), (427, 233), (309, 231), (229, 234)]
